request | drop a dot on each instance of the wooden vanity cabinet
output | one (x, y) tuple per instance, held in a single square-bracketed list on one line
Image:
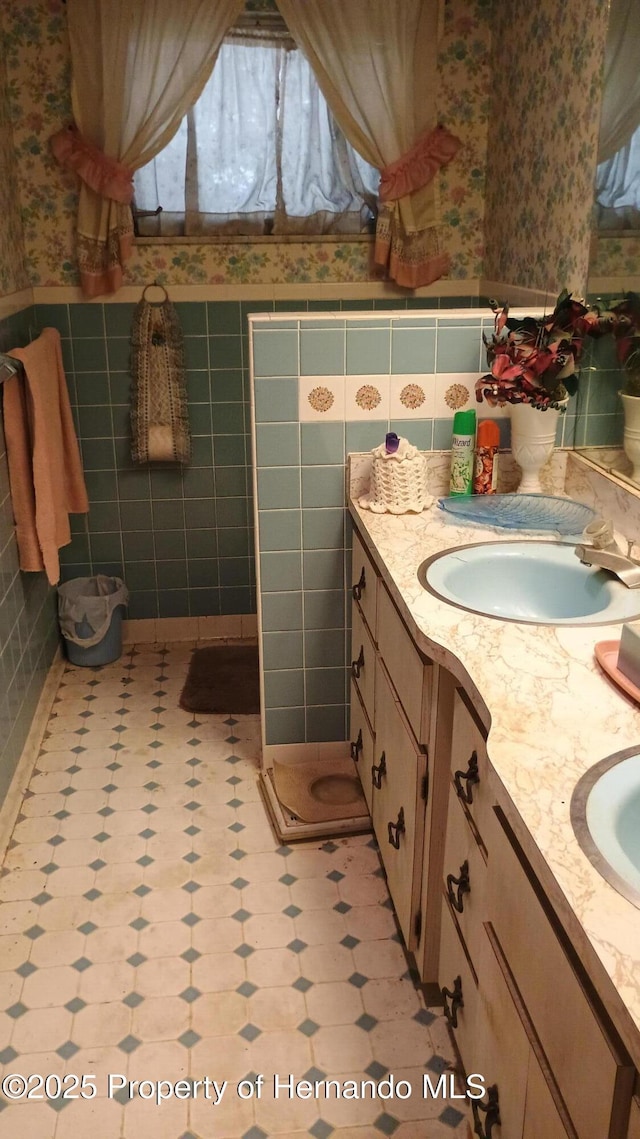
[(521, 1007), (538, 1033)]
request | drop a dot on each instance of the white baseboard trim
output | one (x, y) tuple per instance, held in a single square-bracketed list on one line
[(156, 630), (302, 753), (10, 808)]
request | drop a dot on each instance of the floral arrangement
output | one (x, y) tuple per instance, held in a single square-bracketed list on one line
[(535, 359)]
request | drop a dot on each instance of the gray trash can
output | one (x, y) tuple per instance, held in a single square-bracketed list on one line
[(90, 612)]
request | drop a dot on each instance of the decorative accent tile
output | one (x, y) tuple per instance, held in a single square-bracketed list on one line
[(455, 391), (366, 397), (321, 398), (412, 396)]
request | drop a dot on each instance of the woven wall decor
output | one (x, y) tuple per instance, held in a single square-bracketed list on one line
[(159, 418)]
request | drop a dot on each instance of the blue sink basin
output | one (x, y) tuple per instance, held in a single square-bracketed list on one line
[(534, 582), (605, 811)]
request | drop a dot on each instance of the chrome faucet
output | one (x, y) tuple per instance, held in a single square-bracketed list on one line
[(604, 552)]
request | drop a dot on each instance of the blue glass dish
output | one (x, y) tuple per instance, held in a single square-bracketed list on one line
[(521, 512)]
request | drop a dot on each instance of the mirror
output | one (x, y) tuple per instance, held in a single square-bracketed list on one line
[(614, 262)]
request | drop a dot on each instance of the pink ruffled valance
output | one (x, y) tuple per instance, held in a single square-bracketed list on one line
[(419, 165), (109, 178)]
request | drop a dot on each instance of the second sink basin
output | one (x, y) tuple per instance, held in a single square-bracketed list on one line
[(533, 582), (605, 812)]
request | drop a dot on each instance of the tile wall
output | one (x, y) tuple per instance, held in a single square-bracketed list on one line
[(324, 387), (28, 625), (182, 539), (600, 419)]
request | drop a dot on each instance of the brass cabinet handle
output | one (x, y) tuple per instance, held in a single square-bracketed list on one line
[(378, 772), (396, 829), (457, 1001), (357, 589), (491, 1113), (470, 777), (463, 887), (358, 664), (356, 747)]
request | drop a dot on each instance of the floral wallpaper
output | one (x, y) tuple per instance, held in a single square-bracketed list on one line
[(37, 58), (522, 188), (615, 257), (13, 275), (542, 143)]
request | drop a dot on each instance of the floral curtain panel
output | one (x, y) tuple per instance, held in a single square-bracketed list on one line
[(259, 152), (376, 64), (138, 65)]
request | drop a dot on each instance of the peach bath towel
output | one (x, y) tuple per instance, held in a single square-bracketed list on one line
[(45, 470)]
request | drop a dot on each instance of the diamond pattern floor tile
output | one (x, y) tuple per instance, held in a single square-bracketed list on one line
[(151, 925)]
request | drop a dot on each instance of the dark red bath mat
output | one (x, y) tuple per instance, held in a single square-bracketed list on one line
[(223, 679)]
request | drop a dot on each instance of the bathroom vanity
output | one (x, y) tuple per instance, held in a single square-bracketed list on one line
[(470, 734)]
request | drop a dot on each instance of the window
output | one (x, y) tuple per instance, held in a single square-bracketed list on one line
[(259, 153), (618, 188)]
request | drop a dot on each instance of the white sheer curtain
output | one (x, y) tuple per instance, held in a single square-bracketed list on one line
[(618, 172), (137, 66), (259, 152), (376, 63)]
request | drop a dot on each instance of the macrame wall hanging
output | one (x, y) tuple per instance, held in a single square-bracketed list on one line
[(159, 419)]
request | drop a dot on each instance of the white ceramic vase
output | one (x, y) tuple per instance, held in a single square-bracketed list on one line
[(533, 438), (631, 438)]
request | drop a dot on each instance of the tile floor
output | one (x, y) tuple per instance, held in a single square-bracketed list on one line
[(152, 928)]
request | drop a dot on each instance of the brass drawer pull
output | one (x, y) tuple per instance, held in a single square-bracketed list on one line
[(457, 1001), (491, 1114), (378, 772), (358, 664), (399, 829), (463, 887), (470, 777), (357, 589), (356, 747)]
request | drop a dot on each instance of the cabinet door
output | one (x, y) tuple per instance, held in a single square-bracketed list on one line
[(502, 1051), (459, 990), (541, 1117), (470, 766), (363, 663), (634, 1120), (410, 675), (364, 584), (465, 875), (397, 773), (595, 1078), (361, 743)]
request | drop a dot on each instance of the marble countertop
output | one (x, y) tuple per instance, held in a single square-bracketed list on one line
[(551, 715)]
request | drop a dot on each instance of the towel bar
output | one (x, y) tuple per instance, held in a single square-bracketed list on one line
[(9, 367)]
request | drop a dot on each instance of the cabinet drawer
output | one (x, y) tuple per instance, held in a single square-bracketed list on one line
[(469, 765), (410, 676), (593, 1074), (461, 995), (463, 862), (364, 583), (399, 767), (361, 742), (363, 662)]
